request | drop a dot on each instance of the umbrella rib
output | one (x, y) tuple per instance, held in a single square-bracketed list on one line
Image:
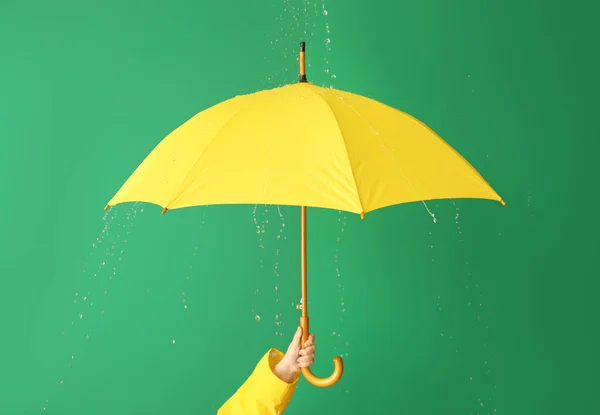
[(396, 162), (345, 149), (181, 188)]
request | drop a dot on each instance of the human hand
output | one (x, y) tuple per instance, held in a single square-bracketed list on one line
[(296, 357)]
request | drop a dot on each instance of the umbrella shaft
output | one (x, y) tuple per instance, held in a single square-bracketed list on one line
[(303, 265)]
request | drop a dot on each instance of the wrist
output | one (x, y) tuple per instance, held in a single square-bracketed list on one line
[(285, 372)]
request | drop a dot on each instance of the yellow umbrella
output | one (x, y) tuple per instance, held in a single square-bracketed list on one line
[(303, 145)]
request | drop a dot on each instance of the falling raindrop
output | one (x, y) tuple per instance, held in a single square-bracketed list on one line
[(117, 225), (430, 212)]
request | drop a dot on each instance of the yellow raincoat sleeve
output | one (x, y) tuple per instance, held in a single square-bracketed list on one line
[(263, 393)]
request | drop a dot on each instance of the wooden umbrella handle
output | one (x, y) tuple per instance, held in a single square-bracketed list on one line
[(338, 370), (338, 363)]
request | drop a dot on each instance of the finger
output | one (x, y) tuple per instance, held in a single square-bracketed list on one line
[(311, 340), (305, 361), (297, 337), (306, 352), (310, 350)]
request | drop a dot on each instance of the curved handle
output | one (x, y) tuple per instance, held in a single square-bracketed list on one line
[(338, 370)]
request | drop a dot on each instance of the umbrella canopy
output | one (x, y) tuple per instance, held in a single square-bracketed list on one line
[(303, 145)]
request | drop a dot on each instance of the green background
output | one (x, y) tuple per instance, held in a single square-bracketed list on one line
[(488, 310)]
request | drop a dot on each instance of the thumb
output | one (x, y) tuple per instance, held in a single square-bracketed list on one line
[(295, 344)]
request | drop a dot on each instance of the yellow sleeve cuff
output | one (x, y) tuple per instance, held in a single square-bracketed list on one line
[(263, 393)]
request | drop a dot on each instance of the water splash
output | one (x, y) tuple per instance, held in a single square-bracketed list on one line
[(190, 268), (276, 274), (280, 237), (282, 223), (276, 265), (279, 324), (121, 226), (530, 207), (457, 222), (327, 43), (430, 212), (342, 221), (260, 221), (341, 343), (269, 243), (105, 253), (295, 22), (475, 302)]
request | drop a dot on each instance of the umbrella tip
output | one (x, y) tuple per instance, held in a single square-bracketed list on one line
[(362, 215), (503, 202), (164, 211), (303, 63), (106, 207)]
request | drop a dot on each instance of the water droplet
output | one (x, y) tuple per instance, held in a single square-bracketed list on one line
[(257, 317)]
